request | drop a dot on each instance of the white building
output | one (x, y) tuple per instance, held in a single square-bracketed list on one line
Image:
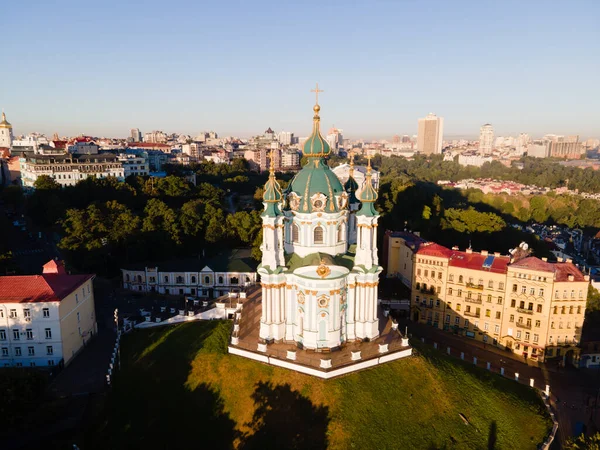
[(137, 165), (135, 134), (211, 278), (156, 137), (430, 135), (467, 159), (486, 139), (285, 137), (6, 133), (68, 170), (45, 320), (83, 147), (290, 158)]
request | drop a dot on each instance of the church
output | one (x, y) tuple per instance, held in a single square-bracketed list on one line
[(319, 270)]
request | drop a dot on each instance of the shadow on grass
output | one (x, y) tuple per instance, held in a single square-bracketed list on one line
[(492, 436), (285, 419), (151, 405)]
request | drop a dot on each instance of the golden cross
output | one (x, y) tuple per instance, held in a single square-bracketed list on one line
[(316, 91)]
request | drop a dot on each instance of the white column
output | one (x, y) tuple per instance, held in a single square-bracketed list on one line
[(263, 316)]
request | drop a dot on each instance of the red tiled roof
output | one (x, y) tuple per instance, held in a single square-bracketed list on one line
[(475, 261), (147, 144), (561, 270), (48, 287), (533, 263), (433, 249)]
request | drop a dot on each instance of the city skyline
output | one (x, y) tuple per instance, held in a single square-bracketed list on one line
[(380, 73)]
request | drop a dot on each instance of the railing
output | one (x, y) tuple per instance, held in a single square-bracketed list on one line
[(475, 286), (524, 325), (471, 314), (473, 300), (525, 311)]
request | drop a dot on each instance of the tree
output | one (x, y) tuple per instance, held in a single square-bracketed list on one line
[(244, 226), (210, 193), (593, 300), (159, 218), (472, 221), (583, 443), (215, 230), (193, 218), (46, 182), (173, 186)]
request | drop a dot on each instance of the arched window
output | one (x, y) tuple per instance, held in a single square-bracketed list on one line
[(340, 233), (206, 280), (220, 280), (179, 279), (193, 279), (234, 280), (318, 235), (166, 279), (127, 277), (295, 232), (247, 279), (460, 279)]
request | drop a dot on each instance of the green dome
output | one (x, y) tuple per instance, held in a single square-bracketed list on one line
[(272, 195), (368, 196), (315, 145), (316, 177)]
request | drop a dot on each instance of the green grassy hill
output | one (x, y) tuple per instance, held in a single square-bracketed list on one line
[(178, 388)]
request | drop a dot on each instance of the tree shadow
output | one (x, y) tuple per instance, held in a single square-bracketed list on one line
[(492, 436), (285, 419)]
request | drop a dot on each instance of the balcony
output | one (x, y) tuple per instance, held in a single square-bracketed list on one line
[(475, 286), (525, 311), (523, 325), (473, 300), (471, 314)]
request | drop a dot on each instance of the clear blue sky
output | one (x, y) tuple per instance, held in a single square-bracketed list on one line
[(103, 67)]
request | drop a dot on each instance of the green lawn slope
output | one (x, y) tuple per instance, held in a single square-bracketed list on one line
[(178, 388)]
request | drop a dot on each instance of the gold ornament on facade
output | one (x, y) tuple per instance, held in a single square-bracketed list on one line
[(323, 301), (323, 271)]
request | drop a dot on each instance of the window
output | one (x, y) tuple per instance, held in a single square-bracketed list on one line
[(449, 291), (19, 364), (2, 335), (440, 276), (460, 279), (518, 335), (426, 273), (541, 292), (451, 277), (432, 274), (491, 284), (579, 310), (466, 323), (514, 288), (46, 312), (565, 293), (580, 293), (572, 294), (563, 310), (488, 313), (570, 310), (499, 300), (489, 299), (4, 351), (16, 335), (522, 304), (498, 314), (469, 294), (27, 315), (501, 285), (470, 280), (496, 328), (220, 280), (512, 318), (179, 279), (538, 323), (78, 318), (557, 293), (235, 280), (529, 323), (447, 318), (486, 326), (418, 286), (49, 350), (530, 306), (460, 293), (539, 308), (531, 291), (552, 325), (48, 333), (318, 235), (550, 342), (31, 351), (536, 337), (523, 289), (13, 314), (166, 278), (513, 303), (457, 320), (76, 298), (50, 362), (29, 332), (555, 310), (193, 279), (458, 306), (17, 351), (526, 336), (437, 302), (206, 280)]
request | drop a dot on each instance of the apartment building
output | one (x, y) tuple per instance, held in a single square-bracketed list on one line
[(45, 320), (398, 250), (519, 302)]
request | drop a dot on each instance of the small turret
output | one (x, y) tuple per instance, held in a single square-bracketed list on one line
[(368, 196), (272, 194)]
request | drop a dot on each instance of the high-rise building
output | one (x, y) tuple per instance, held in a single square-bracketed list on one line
[(285, 137), (486, 139), (430, 134), (6, 133), (135, 135)]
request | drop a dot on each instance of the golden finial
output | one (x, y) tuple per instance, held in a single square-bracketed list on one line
[(369, 163), (323, 270)]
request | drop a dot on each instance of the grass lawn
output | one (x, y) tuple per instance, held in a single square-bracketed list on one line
[(178, 388)]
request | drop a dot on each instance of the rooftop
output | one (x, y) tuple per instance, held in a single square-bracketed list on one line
[(48, 287)]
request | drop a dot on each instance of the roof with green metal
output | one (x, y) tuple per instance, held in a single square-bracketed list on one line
[(316, 177)]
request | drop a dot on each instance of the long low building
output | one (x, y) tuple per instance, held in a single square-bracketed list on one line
[(45, 320), (210, 277), (68, 170)]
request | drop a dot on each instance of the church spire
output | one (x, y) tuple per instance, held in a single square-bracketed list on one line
[(315, 145), (272, 193), (368, 196), (351, 186)]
